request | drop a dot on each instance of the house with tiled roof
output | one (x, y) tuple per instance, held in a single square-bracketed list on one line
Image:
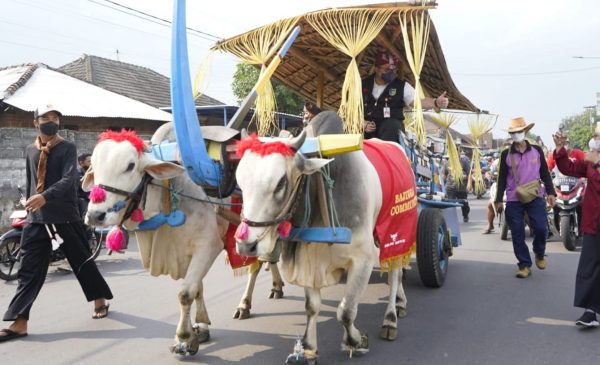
[(135, 82)]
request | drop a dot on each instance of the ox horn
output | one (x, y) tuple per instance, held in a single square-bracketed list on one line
[(244, 133), (297, 142)]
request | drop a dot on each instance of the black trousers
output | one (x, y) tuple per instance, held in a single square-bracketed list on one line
[(36, 249), (587, 283), (465, 208), (388, 129)]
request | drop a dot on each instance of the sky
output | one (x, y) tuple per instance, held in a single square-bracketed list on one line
[(509, 57)]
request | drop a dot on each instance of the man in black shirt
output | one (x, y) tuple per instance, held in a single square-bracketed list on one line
[(385, 97), (53, 221)]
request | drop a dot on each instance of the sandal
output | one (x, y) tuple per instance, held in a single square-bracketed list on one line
[(101, 311), (488, 231), (10, 335)]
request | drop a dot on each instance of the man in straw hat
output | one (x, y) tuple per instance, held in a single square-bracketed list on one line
[(385, 97), (522, 165), (587, 282)]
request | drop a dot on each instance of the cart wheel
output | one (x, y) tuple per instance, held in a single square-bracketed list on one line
[(433, 247), (504, 233)]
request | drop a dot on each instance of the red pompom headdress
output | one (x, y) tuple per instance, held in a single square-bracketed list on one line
[(124, 135), (253, 144)]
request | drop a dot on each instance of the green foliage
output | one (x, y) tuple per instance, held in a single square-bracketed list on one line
[(245, 78), (579, 129)]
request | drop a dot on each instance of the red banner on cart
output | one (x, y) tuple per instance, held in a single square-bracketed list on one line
[(396, 227)]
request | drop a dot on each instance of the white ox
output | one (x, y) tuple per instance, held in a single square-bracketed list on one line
[(187, 251), (267, 183)]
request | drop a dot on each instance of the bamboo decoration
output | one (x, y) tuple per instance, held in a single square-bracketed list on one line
[(446, 120), (415, 54), (200, 84), (350, 31), (256, 48), (478, 127)]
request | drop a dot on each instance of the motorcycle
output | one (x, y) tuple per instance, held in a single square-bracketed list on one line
[(10, 244), (567, 214)]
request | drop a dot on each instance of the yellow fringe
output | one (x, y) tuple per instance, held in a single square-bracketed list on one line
[(350, 31), (256, 48), (415, 54), (402, 261), (478, 127), (446, 120), (200, 84)]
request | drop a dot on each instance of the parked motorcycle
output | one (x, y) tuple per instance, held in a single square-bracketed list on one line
[(569, 196), (10, 244)]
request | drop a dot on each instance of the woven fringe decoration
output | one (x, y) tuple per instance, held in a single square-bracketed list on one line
[(256, 48), (350, 31), (201, 82), (446, 120), (397, 262), (415, 54), (478, 127)]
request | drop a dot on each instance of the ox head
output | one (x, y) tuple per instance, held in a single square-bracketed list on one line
[(267, 175), (119, 162)]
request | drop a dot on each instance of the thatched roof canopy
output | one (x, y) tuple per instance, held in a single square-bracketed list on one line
[(311, 58)]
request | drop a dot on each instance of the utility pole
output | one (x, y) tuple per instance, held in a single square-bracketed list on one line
[(117, 53)]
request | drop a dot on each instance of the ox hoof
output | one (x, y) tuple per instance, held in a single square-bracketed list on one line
[(201, 335), (388, 333), (360, 349), (180, 348), (300, 359), (241, 313), (401, 312), (276, 294)]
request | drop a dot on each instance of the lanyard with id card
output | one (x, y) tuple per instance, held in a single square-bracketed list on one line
[(386, 110)]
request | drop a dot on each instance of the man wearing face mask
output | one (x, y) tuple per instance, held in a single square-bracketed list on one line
[(53, 223), (385, 97), (523, 165), (587, 281)]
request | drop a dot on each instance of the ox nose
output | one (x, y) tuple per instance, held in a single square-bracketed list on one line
[(247, 248), (96, 218)]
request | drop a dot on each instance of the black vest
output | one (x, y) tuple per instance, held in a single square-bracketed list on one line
[(392, 97)]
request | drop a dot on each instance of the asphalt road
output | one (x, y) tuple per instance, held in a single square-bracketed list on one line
[(482, 315)]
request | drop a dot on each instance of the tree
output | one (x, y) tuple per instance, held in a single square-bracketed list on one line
[(245, 78), (579, 129)]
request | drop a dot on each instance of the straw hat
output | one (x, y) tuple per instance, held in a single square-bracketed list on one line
[(519, 125)]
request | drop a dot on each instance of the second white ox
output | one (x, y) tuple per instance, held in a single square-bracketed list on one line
[(268, 183), (186, 251)]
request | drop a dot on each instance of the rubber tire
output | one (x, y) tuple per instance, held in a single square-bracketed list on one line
[(4, 246), (567, 237), (431, 222), (96, 245), (505, 230)]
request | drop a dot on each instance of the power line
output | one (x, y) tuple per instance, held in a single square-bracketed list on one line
[(165, 22), (528, 73)]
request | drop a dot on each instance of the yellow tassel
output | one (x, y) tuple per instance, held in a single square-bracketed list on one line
[(350, 31), (402, 261), (478, 127), (201, 83), (446, 120)]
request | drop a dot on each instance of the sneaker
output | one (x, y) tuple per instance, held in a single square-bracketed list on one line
[(588, 319), (524, 272), (540, 261)]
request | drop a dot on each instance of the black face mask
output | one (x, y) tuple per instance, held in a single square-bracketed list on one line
[(49, 129), (388, 76)]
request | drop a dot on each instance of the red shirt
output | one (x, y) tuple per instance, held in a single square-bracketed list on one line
[(574, 155), (591, 199)]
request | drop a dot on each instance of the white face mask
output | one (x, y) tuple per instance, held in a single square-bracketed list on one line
[(518, 137), (594, 144)]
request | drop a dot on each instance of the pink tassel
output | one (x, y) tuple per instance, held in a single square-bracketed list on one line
[(97, 195), (115, 240), (241, 233), (284, 229), (137, 215)]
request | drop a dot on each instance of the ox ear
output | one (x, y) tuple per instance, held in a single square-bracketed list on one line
[(163, 170), (309, 166), (87, 181)]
